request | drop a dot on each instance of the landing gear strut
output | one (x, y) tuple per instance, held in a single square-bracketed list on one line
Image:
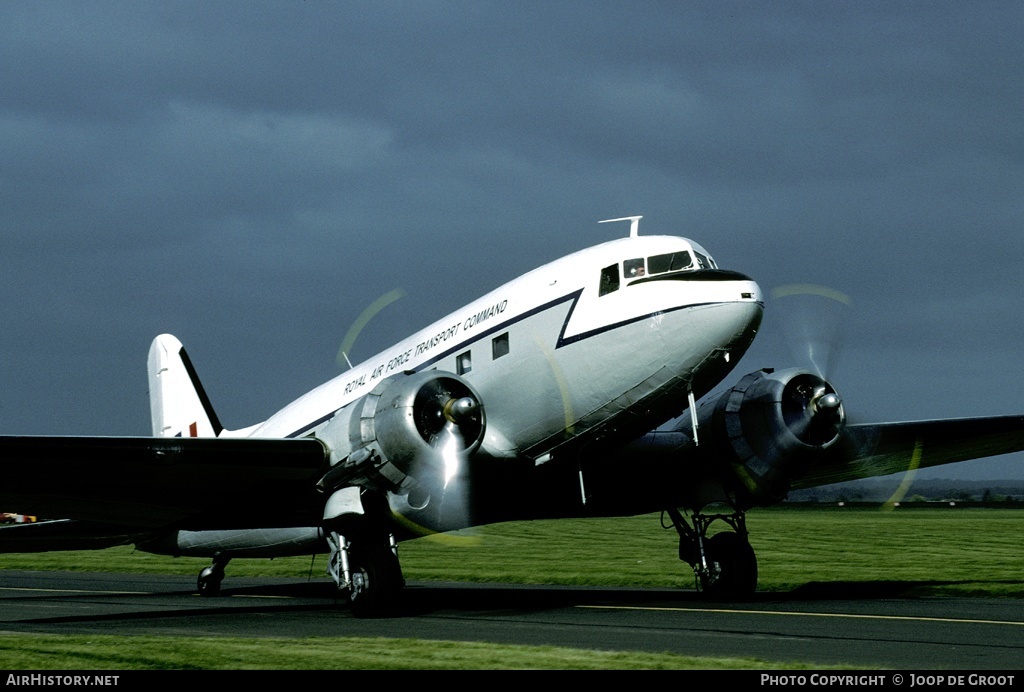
[(724, 564), (367, 571), (211, 577)]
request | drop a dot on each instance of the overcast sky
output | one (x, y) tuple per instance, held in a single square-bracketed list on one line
[(250, 176)]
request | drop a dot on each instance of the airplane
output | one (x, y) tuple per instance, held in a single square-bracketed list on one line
[(571, 391)]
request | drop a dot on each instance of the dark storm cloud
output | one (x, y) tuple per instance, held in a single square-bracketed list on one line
[(251, 176)]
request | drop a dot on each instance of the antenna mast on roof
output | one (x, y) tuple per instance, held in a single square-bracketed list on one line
[(634, 225)]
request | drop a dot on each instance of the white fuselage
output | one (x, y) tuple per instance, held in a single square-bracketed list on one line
[(548, 354)]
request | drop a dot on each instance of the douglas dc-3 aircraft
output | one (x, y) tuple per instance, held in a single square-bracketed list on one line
[(570, 391)]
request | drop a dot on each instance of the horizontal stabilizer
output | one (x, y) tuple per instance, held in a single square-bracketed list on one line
[(63, 534), (145, 482)]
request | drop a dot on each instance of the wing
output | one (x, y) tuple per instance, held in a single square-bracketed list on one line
[(137, 484), (880, 449), (777, 430)]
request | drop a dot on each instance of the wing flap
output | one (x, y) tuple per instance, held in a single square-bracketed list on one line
[(886, 448), (148, 483)]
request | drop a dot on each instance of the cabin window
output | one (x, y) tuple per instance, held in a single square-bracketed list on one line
[(609, 280), (670, 262), (463, 363), (499, 346), (633, 268)]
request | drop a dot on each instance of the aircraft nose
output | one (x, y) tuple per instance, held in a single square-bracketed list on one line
[(738, 287), (747, 289), (741, 316), (754, 290), (741, 288), (747, 312)]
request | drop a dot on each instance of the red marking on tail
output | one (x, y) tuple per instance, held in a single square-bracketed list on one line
[(193, 430)]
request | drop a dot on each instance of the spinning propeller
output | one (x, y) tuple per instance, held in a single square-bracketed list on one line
[(449, 418), (812, 318)]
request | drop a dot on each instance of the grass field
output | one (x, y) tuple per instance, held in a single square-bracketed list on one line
[(932, 551), (968, 550)]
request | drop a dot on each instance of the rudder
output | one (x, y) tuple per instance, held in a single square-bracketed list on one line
[(178, 404)]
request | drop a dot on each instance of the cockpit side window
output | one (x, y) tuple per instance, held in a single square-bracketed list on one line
[(633, 268), (609, 280), (703, 261), (671, 262)]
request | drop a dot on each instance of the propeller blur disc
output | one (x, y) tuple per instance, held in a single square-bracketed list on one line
[(812, 318)]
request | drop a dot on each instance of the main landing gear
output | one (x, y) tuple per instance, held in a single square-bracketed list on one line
[(367, 571), (724, 564)]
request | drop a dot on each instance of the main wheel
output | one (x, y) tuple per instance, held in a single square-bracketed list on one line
[(732, 567), (376, 579)]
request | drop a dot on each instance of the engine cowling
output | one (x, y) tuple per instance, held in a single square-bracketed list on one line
[(769, 428), (393, 438)]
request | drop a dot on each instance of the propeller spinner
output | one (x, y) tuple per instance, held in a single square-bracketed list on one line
[(449, 419)]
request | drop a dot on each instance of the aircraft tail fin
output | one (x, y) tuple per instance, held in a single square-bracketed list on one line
[(178, 404)]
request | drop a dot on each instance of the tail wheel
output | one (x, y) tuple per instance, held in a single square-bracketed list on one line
[(210, 578), (732, 566), (209, 581)]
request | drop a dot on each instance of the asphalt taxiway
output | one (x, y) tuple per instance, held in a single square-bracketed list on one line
[(860, 625)]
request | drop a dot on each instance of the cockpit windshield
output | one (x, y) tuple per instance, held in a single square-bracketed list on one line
[(672, 262), (633, 268), (680, 260), (705, 261)]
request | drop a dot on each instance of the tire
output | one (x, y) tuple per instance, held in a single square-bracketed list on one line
[(209, 581), (733, 567), (377, 580)]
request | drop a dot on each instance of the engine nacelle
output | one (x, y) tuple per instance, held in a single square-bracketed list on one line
[(397, 436), (769, 427)]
